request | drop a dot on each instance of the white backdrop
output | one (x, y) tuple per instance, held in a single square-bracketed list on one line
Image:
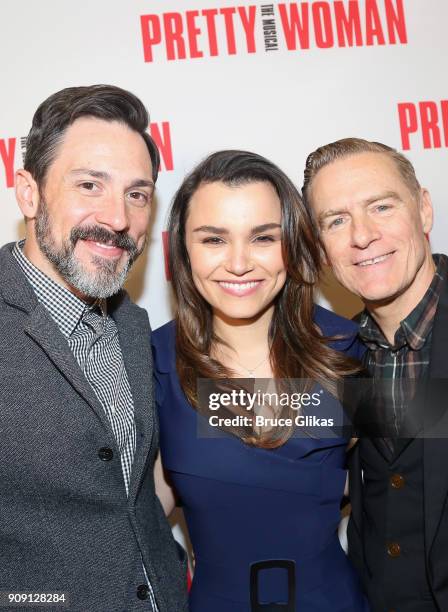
[(309, 82), (227, 86)]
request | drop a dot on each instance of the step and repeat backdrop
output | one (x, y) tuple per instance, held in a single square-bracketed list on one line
[(278, 78)]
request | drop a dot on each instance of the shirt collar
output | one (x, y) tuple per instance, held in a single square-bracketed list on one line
[(415, 328), (63, 306)]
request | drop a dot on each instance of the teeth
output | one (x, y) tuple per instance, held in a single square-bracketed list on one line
[(369, 262), (239, 286), (105, 246)]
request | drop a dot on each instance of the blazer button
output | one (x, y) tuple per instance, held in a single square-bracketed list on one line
[(105, 454), (143, 591), (394, 549), (397, 481)]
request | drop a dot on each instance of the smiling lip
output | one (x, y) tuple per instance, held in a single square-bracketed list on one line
[(373, 261), (239, 288), (103, 249)]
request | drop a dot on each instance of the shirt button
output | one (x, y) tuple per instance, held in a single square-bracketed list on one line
[(143, 591), (394, 550), (105, 454), (397, 481)]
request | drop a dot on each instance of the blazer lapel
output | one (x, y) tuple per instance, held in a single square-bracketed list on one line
[(135, 342), (414, 420), (435, 443), (18, 293), (47, 335), (386, 451)]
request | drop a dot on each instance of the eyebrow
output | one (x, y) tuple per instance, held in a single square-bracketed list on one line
[(211, 229), (387, 195), (105, 176), (142, 183)]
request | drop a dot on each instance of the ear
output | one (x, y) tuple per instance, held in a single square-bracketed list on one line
[(27, 193), (426, 211)]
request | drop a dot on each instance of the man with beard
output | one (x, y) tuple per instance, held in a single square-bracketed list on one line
[(373, 219), (80, 524)]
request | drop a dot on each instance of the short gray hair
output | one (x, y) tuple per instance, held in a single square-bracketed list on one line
[(347, 147)]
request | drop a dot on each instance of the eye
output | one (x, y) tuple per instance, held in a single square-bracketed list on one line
[(212, 240), (383, 207), (336, 222), (140, 198), (264, 238), (88, 186)]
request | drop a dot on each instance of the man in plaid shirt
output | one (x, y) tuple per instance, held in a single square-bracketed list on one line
[(373, 220)]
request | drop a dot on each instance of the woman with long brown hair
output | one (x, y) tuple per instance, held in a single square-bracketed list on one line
[(260, 481)]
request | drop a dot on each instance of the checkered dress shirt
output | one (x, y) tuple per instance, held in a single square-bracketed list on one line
[(407, 360), (93, 339)]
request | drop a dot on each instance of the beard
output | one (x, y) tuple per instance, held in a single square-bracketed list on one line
[(108, 276)]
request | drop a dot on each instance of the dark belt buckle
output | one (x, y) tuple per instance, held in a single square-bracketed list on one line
[(255, 568)]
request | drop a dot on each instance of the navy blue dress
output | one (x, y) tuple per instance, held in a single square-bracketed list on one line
[(244, 504)]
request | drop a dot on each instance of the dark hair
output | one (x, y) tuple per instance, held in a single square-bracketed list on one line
[(61, 109), (353, 146), (298, 349)]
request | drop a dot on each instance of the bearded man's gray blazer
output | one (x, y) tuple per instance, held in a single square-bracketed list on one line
[(66, 524)]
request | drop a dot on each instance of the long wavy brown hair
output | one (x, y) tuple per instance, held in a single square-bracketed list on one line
[(297, 348)]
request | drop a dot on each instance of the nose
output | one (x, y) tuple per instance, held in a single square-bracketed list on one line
[(114, 213), (363, 232), (239, 259)]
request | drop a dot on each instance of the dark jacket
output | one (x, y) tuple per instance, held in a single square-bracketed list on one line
[(433, 449), (66, 524)]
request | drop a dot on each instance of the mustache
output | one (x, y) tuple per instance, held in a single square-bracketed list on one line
[(101, 234)]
